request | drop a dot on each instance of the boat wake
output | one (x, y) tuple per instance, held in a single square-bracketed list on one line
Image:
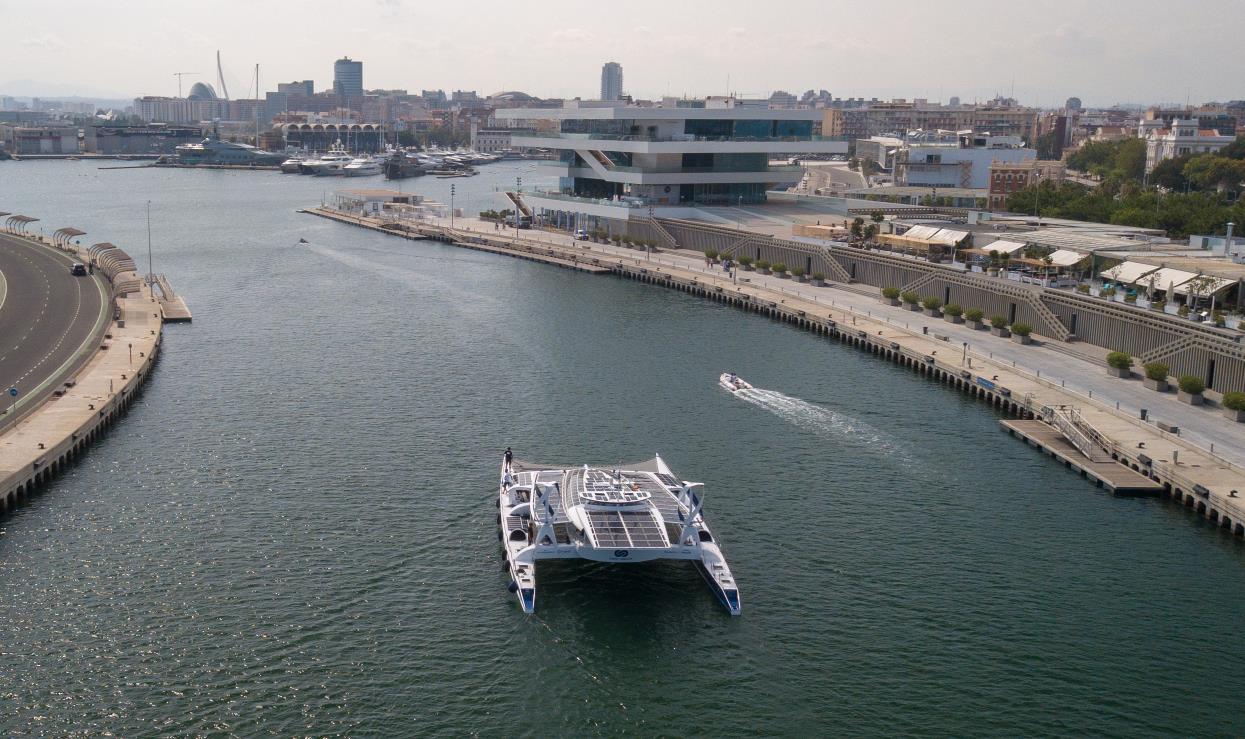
[(821, 421)]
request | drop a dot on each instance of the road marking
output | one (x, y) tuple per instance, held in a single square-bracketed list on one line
[(4, 290), (88, 344)]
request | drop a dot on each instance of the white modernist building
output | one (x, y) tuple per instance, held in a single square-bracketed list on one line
[(962, 160), (1184, 137), (618, 159)]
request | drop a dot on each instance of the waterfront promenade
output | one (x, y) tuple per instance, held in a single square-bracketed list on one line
[(88, 391), (1049, 373)]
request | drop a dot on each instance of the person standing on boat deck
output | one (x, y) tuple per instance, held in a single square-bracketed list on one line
[(508, 458)]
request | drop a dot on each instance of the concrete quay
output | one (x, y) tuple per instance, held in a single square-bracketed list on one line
[(1210, 481), (55, 434)]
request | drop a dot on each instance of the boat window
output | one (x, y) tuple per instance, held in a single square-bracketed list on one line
[(706, 536), (518, 535)]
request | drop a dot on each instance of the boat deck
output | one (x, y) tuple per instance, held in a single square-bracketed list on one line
[(661, 488)]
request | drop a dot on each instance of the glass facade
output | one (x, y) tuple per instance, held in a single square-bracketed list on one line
[(762, 129), (725, 194)]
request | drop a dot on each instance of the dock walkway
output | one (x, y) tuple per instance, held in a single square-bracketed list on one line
[(993, 369)]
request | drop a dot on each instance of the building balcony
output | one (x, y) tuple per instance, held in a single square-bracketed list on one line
[(776, 175), (684, 144)]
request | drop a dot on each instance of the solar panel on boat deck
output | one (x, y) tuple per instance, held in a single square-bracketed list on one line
[(669, 480), (626, 529)]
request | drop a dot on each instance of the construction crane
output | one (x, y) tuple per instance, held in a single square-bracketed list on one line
[(179, 76)]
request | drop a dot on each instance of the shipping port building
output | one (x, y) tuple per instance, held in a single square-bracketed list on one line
[(617, 158)]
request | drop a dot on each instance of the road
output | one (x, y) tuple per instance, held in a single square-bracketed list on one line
[(49, 320)]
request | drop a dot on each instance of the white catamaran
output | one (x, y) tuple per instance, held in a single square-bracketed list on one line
[(634, 513)]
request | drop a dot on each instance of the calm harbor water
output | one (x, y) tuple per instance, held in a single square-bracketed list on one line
[(292, 532)]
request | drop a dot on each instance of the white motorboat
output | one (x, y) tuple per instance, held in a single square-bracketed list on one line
[(733, 382), (362, 167), (330, 165), (634, 513), (293, 164)]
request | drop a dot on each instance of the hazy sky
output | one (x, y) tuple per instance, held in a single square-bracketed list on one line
[(1104, 51)]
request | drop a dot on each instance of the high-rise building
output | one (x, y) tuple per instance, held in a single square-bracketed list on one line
[(1073, 103), (611, 81), (347, 77)]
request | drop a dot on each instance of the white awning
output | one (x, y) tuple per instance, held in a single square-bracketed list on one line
[(1065, 257), (1165, 278), (1128, 272), (920, 232), (1211, 286), (1003, 247), (949, 237)]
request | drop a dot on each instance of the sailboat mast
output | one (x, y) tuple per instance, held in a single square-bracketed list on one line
[(256, 106)]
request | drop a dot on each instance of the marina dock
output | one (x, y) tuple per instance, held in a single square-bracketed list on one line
[(1113, 475), (1131, 456)]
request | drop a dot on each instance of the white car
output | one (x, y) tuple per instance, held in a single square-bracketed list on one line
[(581, 235)]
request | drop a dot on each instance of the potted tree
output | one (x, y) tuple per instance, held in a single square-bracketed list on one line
[(1107, 292), (993, 269), (953, 313), (973, 316), (1083, 289), (1234, 406), (910, 300), (762, 266), (779, 269), (1219, 319), (1020, 333), (1131, 298), (931, 305), (819, 280), (798, 274), (1191, 387), (1183, 311), (890, 295), (1120, 364), (1156, 376), (745, 261), (1159, 304)]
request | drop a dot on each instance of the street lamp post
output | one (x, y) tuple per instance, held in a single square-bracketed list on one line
[(451, 206)]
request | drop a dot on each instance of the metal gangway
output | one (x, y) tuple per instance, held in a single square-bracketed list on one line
[(1079, 432)]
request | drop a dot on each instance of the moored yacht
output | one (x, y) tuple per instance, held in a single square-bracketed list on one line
[(362, 167), (293, 164), (633, 513)]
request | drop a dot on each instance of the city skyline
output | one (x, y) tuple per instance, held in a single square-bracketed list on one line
[(1104, 54)]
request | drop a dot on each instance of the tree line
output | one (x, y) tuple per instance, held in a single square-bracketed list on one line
[(1191, 194)]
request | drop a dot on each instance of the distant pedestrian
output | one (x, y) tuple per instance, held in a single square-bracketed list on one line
[(508, 458)]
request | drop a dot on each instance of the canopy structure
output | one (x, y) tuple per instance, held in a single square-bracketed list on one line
[(919, 232), (1128, 273), (1165, 278), (62, 236), (949, 237), (19, 223), (1203, 286), (1003, 247), (1065, 257)]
